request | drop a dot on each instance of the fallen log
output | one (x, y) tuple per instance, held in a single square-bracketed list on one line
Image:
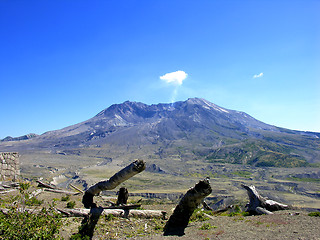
[(35, 193), (6, 211), (10, 185), (79, 190), (82, 212), (118, 178), (259, 205), (208, 216), (206, 206), (223, 209), (42, 184), (61, 191), (7, 191), (182, 213)]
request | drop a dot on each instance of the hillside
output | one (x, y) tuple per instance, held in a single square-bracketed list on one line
[(188, 130), (180, 143)]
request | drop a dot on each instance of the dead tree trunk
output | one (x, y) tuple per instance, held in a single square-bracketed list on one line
[(182, 213), (115, 212), (42, 184), (259, 205), (122, 196), (121, 176), (79, 190), (61, 191)]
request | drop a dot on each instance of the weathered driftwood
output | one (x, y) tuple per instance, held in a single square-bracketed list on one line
[(7, 191), (206, 206), (74, 187), (9, 184), (209, 216), (42, 184), (122, 196), (21, 210), (61, 191), (35, 193), (182, 213), (110, 202), (82, 212), (121, 176), (223, 209), (259, 205)]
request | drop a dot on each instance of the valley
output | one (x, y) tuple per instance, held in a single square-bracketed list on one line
[(299, 187)]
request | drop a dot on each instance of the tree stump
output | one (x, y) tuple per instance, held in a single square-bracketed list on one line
[(118, 178), (122, 196), (189, 202), (259, 205)]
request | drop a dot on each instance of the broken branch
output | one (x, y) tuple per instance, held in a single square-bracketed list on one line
[(259, 205), (118, 178)]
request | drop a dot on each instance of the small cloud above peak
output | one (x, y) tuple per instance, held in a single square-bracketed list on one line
[(176, 77), (258, 75)]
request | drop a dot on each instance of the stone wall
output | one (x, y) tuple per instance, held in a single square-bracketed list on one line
[(9, 166)]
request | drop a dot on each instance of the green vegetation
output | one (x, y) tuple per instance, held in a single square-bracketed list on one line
[(204, 174), (198, 216), (236, 211), (257, 153), (244, 174), (71, 204), (117, 228), (159, 225), (207, 226), (65, 198), (109, 217), (314, 214), (315, 180), (35, 224), (25, 225), (315, 165), (33, 201), (24, 186)]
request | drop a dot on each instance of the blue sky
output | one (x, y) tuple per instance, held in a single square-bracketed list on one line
[(62, 62)]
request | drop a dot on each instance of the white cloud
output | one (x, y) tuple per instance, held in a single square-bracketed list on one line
[(174, 77), (258, 75)]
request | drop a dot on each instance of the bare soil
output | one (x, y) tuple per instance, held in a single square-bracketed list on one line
[(281, 225), (289, 224)]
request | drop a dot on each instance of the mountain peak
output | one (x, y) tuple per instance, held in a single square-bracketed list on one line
[(195, 124), (206, 104)]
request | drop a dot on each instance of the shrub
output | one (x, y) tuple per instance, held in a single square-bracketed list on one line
[(207, 226), (17, 224), (198, 215), (24, 225), (33, 202), (24, 186), (314, 214), (71, 204), (66, 198), (109, 217)]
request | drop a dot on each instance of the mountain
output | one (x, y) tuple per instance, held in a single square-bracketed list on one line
[(188, 130), (24, 137)]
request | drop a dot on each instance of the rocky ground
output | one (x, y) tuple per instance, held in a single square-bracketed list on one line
[(281, 225), (295, 224), (288, 224)]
